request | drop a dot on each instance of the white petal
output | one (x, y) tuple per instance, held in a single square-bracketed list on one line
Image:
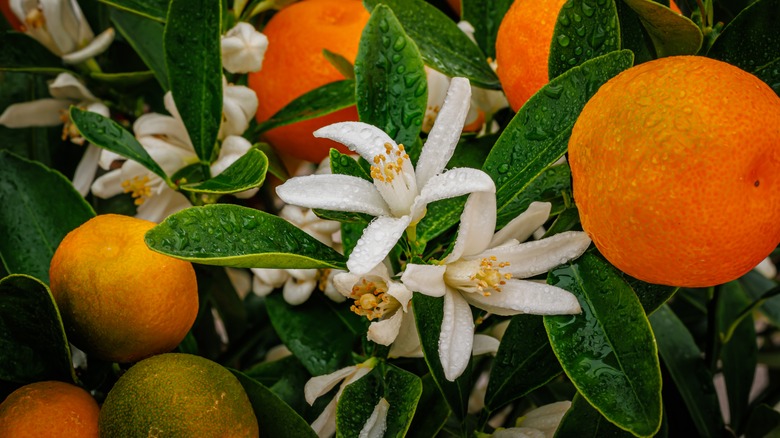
[(377, 423), (320, 385), (108, 184), (438, 83), (42, 112), (521, 296), (445, 133), (367, 140), (325, 425), (239, 105), (385, 331), (160, 125), (547, 418), (243, 49), (477, 224), (484, 344), (451, 184), (62, 23), (521, 227), (407, 343), (241, 280), (379, 237), (94, 48), (457, 335), (767, 268), (296, 292), (333, 192), (426, 279), (539, 256), (160, 206), (344, 282), (85, 171), (66, 86), (233, 148), (399, 292), (271, 276)]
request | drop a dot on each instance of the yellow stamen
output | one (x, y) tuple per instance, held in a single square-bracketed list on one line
[(371, 299), (489, 275), (35, 18), (69, 129), (139, 188), (387, 166)]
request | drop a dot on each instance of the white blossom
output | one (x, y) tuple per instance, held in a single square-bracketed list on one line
[(243, 49)]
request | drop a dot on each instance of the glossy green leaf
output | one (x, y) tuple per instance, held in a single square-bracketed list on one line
[(525, 361), (40, 206), (193, 55), (689, 372), (22, 53), (633, 35), (146, 38), (342, 64), (276, 166), (447, 49), (652, 296), (156, 10), (240, 237), (608, 351), (429, 313), (584, 30), (313, 332), (317, 102), (216, 290), (582, 420), (287, 378), (538, 135), (756, 285), (439, 217), (671, 33), (392, 89), (486, 18), (764, 422), (108, 134), (33, 345), (738, 356), (547, 187), (356, 404), (246, 173), (751, 40), (274, 416), (344, 164), (432, 415)]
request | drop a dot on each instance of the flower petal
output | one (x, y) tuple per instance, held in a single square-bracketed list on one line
[(484, 344), (320, 385), (107, 185), (523, 226), (399, 291), (385, 331), (94, 48), (547, 418), (296, 291), (85, 171), (334, 192), (325, 425), (66, 86), (522, 296), (426, 279), (42, 112), (477, 224), (457, 335), (162, 205), (539, 256), (377, 240), (407, 343), (445, 133), (160, 125), (377, 423), (451, 184), (367, 140)]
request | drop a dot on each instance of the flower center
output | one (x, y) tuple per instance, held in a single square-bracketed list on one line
[(69, 129), (372, 300), (139, 188), (35, 18), (483, 276), (393, 176)]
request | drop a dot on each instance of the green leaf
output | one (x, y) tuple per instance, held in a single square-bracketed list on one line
[(40, 206), (525, 361), (671, 33), (193, 55), (429, 313), (547, 187), (342, 64), (689, 372), (123, 80), (286, 377), (392, 89), (652, 296), (439, 217), (313, 331), (608, 351), (428, 421), (584, 30), (486, 18), (240, 237), (146, 38), (108, 134), (442, 44), (274, 416), (344, 164), (764, 422), (33, 345), (582, 420), (750, 41), (538, 135), (633, 35), (149, 9), (315, 103), (22, 53), (356, 404), (755, 285), (246, 173)]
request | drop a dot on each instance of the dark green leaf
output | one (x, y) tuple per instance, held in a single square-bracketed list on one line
[(402, 391), (315, 103), (215, 287), (764, 422), (751, 42), (241, 237), (689, 372), (584, 30), (439, 217), (486, 18), (341, 64), (193, 55), (246, 173), (547, 187), (32, 338), (286, 378), (146, 38), (149, 9), (538, 135), (40, 207), (34, 143), (652, 296), (582, 420), (671, 33), (608, 351), (275, 164), (392, 89), (434, 413), (22, 53), (356, 404), (313, 332), (633, 35), (274, 416), (524, 362), (442, 44), (755, 285), (108, 134), (429, 313)]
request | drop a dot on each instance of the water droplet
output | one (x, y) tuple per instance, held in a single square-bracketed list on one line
[(587, 9), (563, 40)]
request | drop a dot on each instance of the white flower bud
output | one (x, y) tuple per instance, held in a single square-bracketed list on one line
[(243, 49)]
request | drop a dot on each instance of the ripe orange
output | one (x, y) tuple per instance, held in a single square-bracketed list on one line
[(676, 171), (119, 300), (294, 64), (178, 395), (523, 46), (50, 408)]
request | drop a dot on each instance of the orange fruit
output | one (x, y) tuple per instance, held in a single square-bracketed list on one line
[(178, 395), (294, 65), (676, 171), (50, 408), (523, 46), (119, 300)]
